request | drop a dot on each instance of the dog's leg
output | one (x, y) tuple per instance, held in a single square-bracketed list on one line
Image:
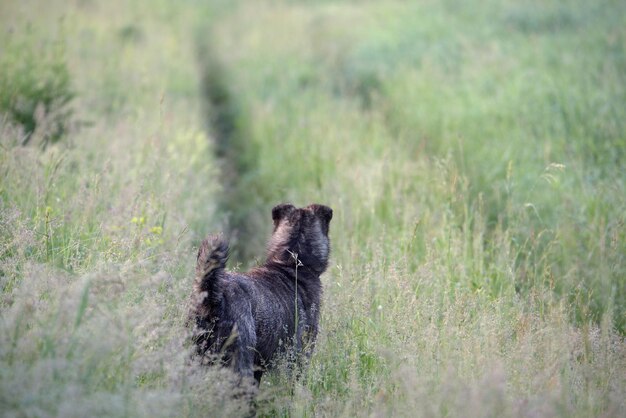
[(246, 344), (258, 374)]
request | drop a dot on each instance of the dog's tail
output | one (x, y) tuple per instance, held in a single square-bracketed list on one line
[(212, 257)]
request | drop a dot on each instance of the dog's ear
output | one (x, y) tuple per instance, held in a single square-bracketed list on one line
[(280, 211), (323, 212)]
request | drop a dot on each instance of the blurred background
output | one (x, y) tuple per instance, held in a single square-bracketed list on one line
[(473, 153)]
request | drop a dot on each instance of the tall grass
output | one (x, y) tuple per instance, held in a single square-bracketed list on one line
[(97, 231), (472, 153), (468, 151)]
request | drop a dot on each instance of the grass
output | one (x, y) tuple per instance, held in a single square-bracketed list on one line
[(473, 154)]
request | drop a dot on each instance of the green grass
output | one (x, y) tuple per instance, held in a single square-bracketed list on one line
[(473, 154)]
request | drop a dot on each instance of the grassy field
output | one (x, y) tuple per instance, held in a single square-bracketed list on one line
[(473, 153)]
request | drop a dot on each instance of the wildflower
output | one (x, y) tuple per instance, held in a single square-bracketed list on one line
[(138, 220)]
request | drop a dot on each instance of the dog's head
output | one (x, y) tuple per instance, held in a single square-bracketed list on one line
[(301, 234)]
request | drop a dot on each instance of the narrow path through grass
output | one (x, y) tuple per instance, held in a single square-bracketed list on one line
[(226, 124)]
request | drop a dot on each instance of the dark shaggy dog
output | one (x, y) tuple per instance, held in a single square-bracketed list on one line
[(248, 318)]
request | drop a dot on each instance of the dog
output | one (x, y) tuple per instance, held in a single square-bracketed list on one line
[(247, 319)]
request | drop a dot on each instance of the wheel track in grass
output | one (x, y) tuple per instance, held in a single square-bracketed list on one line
[(241, 201)]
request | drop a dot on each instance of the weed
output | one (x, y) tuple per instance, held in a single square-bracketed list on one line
[(35, 86)]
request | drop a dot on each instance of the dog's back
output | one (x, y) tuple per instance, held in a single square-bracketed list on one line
[(248, 318)]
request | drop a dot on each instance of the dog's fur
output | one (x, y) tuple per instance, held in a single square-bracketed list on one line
[(247, 319)]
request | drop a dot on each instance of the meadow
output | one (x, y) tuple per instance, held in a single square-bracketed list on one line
[(473, 153)]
